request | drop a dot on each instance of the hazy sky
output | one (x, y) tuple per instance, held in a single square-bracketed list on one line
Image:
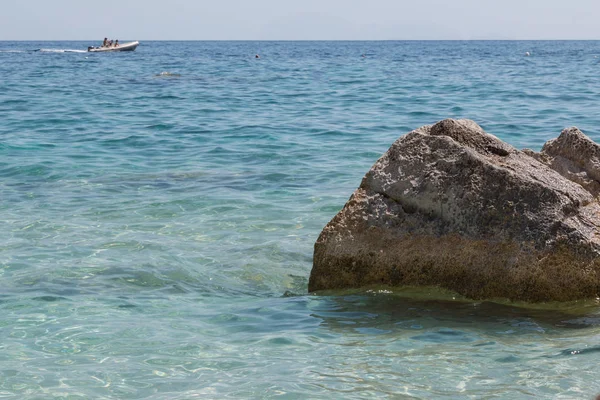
[(299, 19)]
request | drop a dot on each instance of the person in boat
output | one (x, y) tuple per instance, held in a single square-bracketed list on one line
[(117, 43), (105, 43)]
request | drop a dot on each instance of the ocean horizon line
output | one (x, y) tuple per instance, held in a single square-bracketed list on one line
[(311, 40)]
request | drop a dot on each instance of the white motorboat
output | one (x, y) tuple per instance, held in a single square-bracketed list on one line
[(131, 46)]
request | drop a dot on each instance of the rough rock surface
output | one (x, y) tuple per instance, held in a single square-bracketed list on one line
[(576, 157), (449, 205)]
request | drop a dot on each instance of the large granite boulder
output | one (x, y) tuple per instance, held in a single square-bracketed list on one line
[(451, 206)]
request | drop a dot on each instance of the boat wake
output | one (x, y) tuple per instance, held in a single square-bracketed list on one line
[(61, 51)]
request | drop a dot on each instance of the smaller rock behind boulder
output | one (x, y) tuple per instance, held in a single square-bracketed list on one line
[(576, 157)]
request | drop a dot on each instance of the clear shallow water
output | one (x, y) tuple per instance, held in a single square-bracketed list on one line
[(157, 230)]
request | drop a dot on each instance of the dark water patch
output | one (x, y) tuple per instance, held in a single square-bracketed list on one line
[(145, 99), (13, 102), (127, 306), (160, 127), (32, 170), (421, 114), (592, 320), (485, 344), (280, 341), (386, 308), (509, 359), (132, 141), (50, 299), (445, 336), (167, 97)]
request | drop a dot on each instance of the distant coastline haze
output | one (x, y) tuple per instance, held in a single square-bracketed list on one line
[(306, 20)]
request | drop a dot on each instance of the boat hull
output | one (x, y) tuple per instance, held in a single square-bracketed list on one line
[(131, 46)]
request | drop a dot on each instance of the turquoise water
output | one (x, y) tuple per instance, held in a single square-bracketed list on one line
[(159, 210)]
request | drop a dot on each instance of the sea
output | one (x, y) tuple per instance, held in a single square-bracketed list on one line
[(158, 211)]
